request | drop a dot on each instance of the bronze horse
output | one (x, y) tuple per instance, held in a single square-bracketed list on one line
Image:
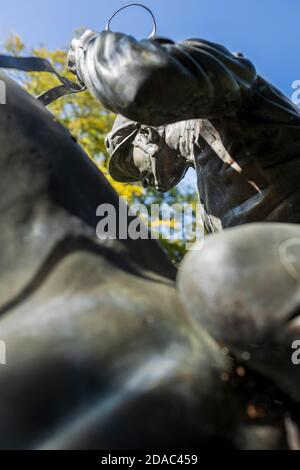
[(101, 352)]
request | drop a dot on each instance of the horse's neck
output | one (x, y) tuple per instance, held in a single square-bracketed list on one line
[(45, 180)]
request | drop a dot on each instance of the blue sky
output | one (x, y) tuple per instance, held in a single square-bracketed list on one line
[(266, 31)]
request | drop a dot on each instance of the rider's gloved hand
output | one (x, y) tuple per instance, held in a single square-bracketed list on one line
[(77, 51)]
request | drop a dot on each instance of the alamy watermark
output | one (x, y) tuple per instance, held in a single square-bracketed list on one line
[(296, 353), (2, 92), (2, 353), (296, 93), (177, 222)]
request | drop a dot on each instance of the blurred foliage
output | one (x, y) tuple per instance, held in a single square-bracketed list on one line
[(90, 122)]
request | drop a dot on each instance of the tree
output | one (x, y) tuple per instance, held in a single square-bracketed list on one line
[(90, 122)]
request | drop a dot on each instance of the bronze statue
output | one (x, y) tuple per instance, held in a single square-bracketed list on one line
[(101, 351), (195, 103), (101, 354), (241, 133)]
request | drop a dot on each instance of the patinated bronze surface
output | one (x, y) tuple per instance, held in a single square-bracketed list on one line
[(100, 352), (196, 103), (243, 287)]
